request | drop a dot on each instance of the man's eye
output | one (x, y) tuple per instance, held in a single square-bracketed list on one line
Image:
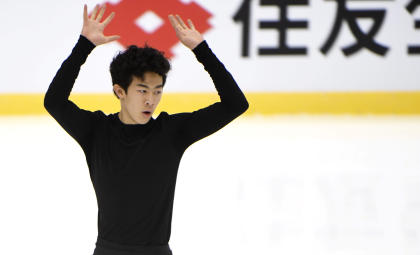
[(158, 92), (142, 91)]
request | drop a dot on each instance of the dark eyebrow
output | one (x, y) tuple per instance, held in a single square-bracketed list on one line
[(146, 86)]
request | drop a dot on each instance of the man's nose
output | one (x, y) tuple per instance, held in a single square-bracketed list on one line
[(149, 100)]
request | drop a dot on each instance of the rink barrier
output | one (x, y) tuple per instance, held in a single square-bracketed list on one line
[(260, 103)]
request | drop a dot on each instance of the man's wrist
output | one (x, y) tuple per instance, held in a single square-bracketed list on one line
[(199, 46), (85, 45)]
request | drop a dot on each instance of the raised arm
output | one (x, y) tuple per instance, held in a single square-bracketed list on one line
[(75, 121), (203, 122)]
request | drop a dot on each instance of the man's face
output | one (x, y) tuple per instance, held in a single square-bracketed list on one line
[(141, 99)]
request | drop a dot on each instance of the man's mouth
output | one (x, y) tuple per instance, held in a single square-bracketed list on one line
[(147, 113)]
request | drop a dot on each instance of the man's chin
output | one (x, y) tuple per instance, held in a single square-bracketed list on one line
[(145, 117)]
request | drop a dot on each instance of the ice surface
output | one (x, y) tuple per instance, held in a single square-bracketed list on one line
[(262, 185)]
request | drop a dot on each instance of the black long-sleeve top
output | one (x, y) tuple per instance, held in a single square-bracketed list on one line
[(133, 168)]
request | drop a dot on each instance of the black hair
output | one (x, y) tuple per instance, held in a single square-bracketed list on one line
[(135, 61)]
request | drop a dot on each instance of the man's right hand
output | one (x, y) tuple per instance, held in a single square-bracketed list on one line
[(93, 28)]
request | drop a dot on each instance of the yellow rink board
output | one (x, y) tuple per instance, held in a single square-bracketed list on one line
[(260, 103)]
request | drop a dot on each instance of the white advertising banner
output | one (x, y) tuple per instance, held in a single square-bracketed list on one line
[(268, 45)]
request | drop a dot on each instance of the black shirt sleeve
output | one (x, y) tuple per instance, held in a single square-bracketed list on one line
[(77, 122), (203, 122)]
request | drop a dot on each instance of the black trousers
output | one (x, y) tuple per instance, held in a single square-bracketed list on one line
[(104, 247)]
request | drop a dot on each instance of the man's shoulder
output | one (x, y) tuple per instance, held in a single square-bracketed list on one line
[(172, 117), (100, 114), (172, 122)]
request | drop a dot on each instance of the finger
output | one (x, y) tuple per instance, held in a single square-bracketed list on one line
[(85, 15), (101, 13), (108, 19), (95, 10), (173, 21), (181, 22), (112, 38), (191, 24)]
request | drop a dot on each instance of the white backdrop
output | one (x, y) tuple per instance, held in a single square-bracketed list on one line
[(38, 35)]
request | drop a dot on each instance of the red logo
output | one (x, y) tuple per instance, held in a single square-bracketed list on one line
[(157, 31)]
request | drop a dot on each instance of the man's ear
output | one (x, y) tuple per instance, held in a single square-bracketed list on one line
[(119, 91)]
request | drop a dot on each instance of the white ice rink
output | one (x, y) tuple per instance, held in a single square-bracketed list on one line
[(292, 185)]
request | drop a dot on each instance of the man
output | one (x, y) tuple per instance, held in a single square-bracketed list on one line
[(133, 159)]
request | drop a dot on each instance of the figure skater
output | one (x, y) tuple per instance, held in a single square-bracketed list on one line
[(132, 157)]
